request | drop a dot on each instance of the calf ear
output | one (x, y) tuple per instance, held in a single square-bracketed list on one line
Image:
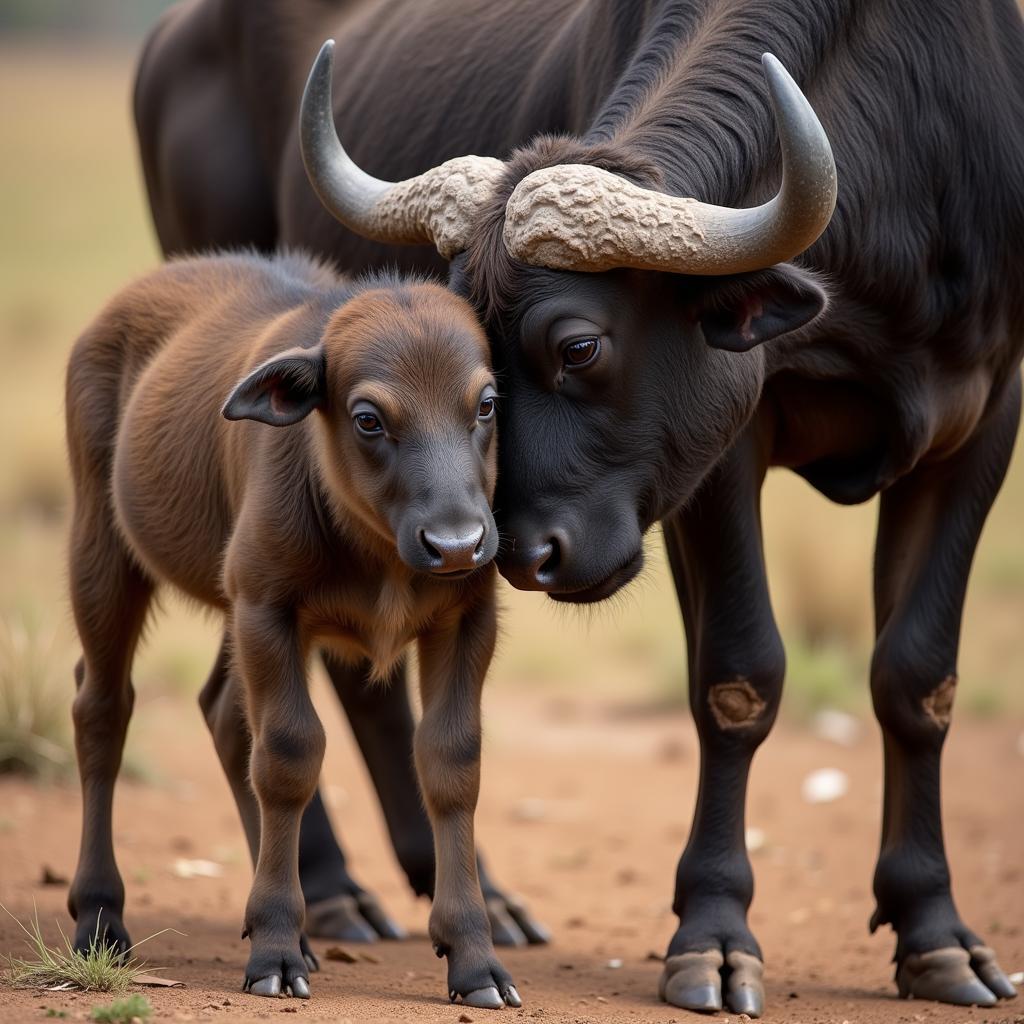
[(737, 313), (281, 391)]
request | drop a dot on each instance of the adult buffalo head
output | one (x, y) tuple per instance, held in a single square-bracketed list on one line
[(627, 323)]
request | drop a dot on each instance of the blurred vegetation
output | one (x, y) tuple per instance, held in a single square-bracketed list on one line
[(76, 229), (34, 721), (100, 18)]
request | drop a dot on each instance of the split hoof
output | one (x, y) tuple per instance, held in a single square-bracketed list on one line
[(744, 985), (484, 999), (348, 918), (512, 924), (694, 981), (489, 998), (983, 961), (946, 976), (269, 987)]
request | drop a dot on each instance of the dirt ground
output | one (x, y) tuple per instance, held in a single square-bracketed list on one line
[(585, 808)]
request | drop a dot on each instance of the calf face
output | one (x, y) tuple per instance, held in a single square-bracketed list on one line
[(405, 402)]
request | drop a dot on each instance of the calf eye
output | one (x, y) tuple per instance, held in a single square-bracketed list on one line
[(486, 410), (580, 352), (368, 424)]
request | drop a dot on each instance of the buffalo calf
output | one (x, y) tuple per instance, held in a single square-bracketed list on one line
[(362, 525)]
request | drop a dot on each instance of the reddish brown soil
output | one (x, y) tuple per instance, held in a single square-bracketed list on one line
[(584, 811)]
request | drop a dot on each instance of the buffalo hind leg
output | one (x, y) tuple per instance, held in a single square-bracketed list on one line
[(736, 668), (383, 726), (110, 597), (929, 524)]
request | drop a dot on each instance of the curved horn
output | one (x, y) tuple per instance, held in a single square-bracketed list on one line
[(578, 217), (439, 206)]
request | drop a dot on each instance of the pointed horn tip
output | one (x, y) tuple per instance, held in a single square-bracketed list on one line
[(324, 61), (774, 69), (319, 79)]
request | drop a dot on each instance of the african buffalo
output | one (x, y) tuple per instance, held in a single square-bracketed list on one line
[(658, 353), (362, 523)]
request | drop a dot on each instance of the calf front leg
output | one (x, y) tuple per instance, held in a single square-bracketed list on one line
[(383, 726), (736, 668), (453, 662), (287, 751), (929, 524)]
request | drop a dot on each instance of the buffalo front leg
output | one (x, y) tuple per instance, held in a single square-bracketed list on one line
[(929, 524), (453, 662), (287, 751), (736, 668)]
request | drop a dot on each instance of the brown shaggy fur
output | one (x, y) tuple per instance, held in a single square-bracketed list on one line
[(294, 534)]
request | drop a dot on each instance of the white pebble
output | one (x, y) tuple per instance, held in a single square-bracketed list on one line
[(836, 727), (755, 839), (615, 963), (824, 786), (197, 868), (1017, 978)]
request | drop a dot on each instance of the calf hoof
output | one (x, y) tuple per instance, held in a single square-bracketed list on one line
[(271, 971), (351, 918), (694, 981), (954, 975), (484, 985), (512, 924)]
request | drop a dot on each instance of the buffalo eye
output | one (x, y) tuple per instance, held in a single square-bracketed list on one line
[(369, 424), (486, 410), (580, 352)]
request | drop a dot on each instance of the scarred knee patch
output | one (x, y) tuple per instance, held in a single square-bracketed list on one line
[(735, 704), (938, 705)]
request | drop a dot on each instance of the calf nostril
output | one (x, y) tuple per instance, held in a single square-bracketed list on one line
[(549, 566), (431, 550)]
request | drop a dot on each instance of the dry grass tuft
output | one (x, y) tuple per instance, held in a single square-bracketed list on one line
[(101, 969)]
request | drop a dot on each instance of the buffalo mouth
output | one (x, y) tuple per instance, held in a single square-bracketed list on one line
[(605, 588)]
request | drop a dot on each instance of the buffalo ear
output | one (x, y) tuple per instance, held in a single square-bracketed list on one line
[(281, 391), (737, 313)]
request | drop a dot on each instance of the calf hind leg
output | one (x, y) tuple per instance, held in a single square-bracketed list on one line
[(929, 524), (110, 596)]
